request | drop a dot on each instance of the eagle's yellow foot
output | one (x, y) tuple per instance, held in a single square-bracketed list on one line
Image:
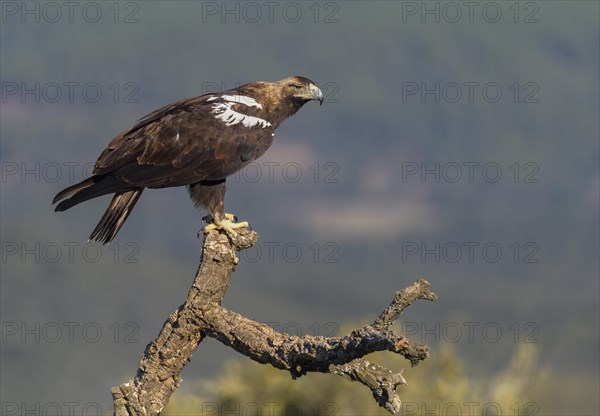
[(230, 217), (229, 225)]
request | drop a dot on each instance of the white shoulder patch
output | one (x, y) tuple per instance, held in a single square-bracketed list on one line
[(242, 99), (225, 113)]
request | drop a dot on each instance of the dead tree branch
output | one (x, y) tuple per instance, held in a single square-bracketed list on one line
[(159, 373)]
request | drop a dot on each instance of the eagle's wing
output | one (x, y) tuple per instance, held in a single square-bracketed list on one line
[(186, 142)]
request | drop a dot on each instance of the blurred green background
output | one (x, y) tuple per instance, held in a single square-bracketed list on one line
[(344, 218)]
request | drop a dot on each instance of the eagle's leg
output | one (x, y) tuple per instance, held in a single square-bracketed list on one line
[(211, 194)]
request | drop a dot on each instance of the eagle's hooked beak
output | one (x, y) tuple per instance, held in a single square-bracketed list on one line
[(316, 94)]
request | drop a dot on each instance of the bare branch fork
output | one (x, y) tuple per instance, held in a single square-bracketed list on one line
[(159, 373)]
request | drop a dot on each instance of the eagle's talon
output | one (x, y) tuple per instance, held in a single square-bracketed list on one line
[(229, 225), (231, 217)]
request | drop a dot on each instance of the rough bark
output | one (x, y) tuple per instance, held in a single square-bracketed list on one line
[(159, 373)]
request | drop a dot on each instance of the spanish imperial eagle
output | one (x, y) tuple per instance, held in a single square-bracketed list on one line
[(196, 142)]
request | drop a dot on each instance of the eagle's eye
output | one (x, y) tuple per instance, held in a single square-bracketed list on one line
[(297, 87)]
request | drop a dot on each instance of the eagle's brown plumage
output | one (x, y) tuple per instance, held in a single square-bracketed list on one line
[(196, 142)]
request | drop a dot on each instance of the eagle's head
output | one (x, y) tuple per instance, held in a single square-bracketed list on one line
[(281, 99), (299, 90)]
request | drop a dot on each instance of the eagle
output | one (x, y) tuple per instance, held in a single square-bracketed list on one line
[(197, 142)]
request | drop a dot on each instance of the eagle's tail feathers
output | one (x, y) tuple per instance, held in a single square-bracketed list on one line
[(117, 212), (75, 188), (90, 188)]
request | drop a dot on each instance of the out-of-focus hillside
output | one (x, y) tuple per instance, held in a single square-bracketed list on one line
[(442, 386)]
